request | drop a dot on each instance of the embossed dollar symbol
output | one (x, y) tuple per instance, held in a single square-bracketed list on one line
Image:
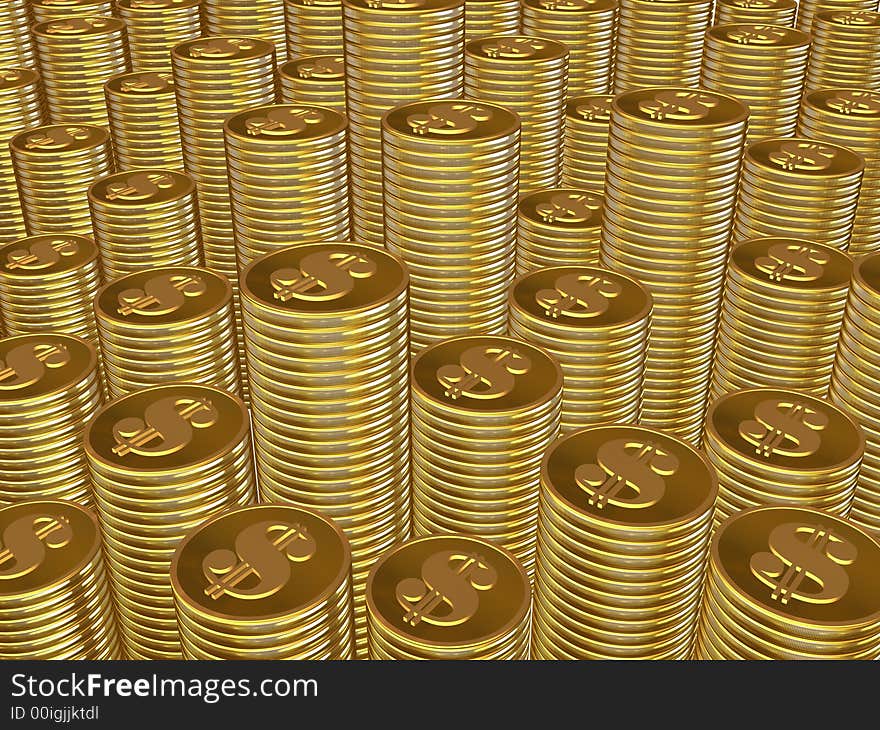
[(446, 594), (25, 541), (170, 421), (566, 4), (56, 138), (26, 364), (322, 276), (568, 208), (395, 4), (512, 47), (155, 3), (627, 473), (162, 294), (324, 68), (42, 254), (753, 3), (792, 262), (682, 105), (221, 47), (756, 35), (578, 295), (263, 551), (788, 428), (853, 101), (10, 74), (807, 156), (484, 373), (597, 110), (283, 122), (140, 186), (147, 82), (853, 17), (76, 26), (805, 563), (449, 118)]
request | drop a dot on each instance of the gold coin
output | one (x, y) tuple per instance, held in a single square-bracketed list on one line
[(585, 144), (46, 10), (318, 80), (314, 27), (16, 43), (490, 17), (764, 12), (812, 13), (845, 51), (256, 19), (154, 27)]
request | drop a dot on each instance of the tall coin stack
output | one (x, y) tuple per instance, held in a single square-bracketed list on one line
[(145, 218), (595, 323), (660, 43), (168, 324), (764, 12), (798, 187), (527, 76), (849, 12), (393, 55), (314, 27), (251, 19), (854, 381), (736, 61), (585, 142), (49, 389), (845, 50), (16, 43), (163, 460), (450, 170), (790, 583), (851, 116), (54, 166), (623, 531), (484, 409), (587, 27), (21, 107), (264, 582), (328, 361), (773, 446), (781, 316), (490, 17), (448, 597), (75, 57), (558, 227), (46, 10), (155, 27), (673, 164), (288, 177), (55, 587), (316, 80)]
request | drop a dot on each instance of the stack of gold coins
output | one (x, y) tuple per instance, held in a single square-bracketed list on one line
[(851, 116), (53, 585), (774, 446), (16, 44), (155, 27), (558, 227), (484, 409), (143, 120), (328, 360), (450, 179), (623, 531), (781, 316), (448, 597), (252, 19), (75, 57), (163, 460), (845, 51), (585, 146), (848, 12), (587, 27), (736, 58), (490, 17), (49, 389), (54, 166), (595, 323), (660, 43), (145, 218), (765, 12), (288, 177), (527, 76), (798, 187), (264, 582), (790, 583), (394, 54), (673, 163), (21, 107), (314, 27), (49, 282), (170, 324), (46, 10), (314, 80), (854, 381)]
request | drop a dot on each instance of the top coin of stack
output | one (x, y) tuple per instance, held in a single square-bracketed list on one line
[(845, 50), (155, 27), (765, 12), (314, 27), (316, 80), (810, 10), (16, 43), (251, 18), (45, 10), (585, 146)]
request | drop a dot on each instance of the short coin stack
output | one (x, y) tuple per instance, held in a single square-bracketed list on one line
[(49, 389), (264, 582), (16, 43), (316, 80), (450, 179), (313, 27), (54, 591), (163, 460), (623, 532), (595, 323), (764, 12), (46, 10), (790, 583), (250, 19), (527, 76), (798, 187), (845, 51), (448, 597), (585, 147), (490, 17), (155, 26), (781, 316), (484, 409), (161, 325), (558, 227), (848, 12), (772, 446)]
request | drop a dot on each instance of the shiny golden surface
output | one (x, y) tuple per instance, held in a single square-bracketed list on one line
[(764, 12), (16, 44), (154, 27), (45, 10), (314, 27), (252, 19), (316, 80), (846, 48), (490, 17), (849, 12), (585, 147)]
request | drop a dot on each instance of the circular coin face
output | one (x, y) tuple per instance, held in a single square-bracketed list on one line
[(448, 591), (451, 120), (857, 105), (404, 7), (76, 27), (570, 7), (17, 78), (315, 68), (590, 108), (35, 366), (281, 122), (59, 139), (802, 157), (142, 83), (793, 264), (567, 209), (680, 107), (36, 257), (857, 19), (799, 564), (757, 36), (259, 563), (141, 188), (148, 5), (219, 50), (514, 49)]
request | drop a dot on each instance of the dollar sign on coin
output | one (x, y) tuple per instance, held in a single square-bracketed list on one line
[(42, 254), (446, 594), (26, 364), (595, 110), (792, 262), (568, 208), (147, 82), (512, 47), (484, 373), (25, 541), (76, 26), (449, 118), (322, 276), (787, 429), (679, 105), (162, 294), (140, 186), (852, 101), (56, 138), (578, 295), (756, 35), (283, 122), (322, 69), (221, 47), (169, 421), (806, 156)]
